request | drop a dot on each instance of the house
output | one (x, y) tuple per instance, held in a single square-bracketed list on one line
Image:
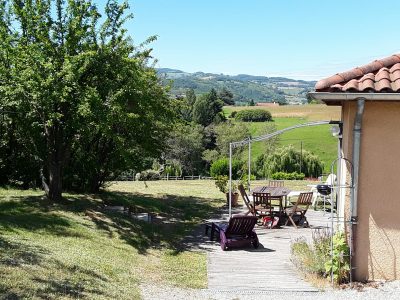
[(370, 140), (267, 104)]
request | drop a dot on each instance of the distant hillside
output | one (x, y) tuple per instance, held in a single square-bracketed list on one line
[(244, 87)]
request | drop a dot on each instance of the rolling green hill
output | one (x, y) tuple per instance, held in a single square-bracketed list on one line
[(244, 87)]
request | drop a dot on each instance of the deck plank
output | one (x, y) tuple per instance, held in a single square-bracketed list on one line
[(267, 268)]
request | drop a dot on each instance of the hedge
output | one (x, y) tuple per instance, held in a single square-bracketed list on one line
[(253, 115)]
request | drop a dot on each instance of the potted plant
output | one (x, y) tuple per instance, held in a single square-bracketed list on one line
[(222, 183)]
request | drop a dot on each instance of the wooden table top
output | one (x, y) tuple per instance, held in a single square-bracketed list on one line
[(279, 191)]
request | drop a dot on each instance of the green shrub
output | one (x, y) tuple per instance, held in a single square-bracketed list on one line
[(316, 257), (173, 169), (339, 264), (222, 183), (287, 176), (253, 115), (221, 167), (233, 114), (288, 160), (148, 175), (244, 180)]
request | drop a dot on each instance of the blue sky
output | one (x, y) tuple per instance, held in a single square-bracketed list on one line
[(306, 39)]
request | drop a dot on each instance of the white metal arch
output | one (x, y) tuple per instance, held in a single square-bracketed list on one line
[(249, 140)]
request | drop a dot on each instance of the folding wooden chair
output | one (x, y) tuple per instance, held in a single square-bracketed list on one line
[(263, 200), (299, 209), (276, 183), (255, 210)]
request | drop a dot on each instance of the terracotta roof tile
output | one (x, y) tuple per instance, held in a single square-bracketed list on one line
[(381, 75)]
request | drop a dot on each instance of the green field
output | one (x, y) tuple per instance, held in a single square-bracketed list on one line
[(316, 139)]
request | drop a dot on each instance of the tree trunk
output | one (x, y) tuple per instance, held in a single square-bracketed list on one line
[(55, 162), (55, 181)]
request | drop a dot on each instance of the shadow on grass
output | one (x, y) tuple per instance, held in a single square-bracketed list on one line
[(173, 217), (77, 283), (33, 214), (15, 254)]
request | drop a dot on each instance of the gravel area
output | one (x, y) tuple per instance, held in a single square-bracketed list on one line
[(388, 290)]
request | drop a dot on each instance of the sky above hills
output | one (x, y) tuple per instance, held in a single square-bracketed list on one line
[(303, 39)]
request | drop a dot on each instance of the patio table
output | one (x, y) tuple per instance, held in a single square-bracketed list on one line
[(279, 192)]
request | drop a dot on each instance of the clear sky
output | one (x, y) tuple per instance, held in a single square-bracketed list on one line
[(303, 39)]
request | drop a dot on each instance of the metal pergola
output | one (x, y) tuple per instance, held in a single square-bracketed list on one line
[(250, 140)]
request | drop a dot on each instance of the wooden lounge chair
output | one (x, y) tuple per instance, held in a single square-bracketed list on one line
[(255, 210), (239, 232), (298, 211)]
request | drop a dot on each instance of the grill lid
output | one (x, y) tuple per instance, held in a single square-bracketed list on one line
[(324, 189)]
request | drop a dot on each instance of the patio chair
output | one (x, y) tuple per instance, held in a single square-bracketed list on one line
[(298, 211), (257, 210), (263, 200), (239, 232), (276, 183)]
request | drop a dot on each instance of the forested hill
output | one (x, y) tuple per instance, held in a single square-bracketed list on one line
[(244, 87)]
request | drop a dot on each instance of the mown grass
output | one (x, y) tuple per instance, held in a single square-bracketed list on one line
[(316, 139), (78, 249)]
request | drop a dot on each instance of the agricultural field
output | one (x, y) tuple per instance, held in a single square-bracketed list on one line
[(317, 139)]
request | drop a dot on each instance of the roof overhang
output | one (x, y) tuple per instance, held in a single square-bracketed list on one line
[(330, 98)]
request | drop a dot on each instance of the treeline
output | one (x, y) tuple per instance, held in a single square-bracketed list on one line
[(202, 135)]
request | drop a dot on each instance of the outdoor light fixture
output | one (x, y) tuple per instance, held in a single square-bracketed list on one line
[(337, 129)]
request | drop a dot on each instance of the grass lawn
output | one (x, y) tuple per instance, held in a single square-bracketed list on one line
[(78, 249)]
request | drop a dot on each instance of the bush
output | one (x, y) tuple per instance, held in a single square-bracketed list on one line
[(316, 257), (147, 175), (288, 159), (287, 176), (253, 115), (221, 167), (233, 114), (244, 180), (222, 183)]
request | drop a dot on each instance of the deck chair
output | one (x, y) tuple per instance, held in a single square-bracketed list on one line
[(239, 232), (298, 211), (255, 210)]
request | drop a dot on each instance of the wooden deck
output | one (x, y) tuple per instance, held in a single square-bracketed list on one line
[(267, 268)]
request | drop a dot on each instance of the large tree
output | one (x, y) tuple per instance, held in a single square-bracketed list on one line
[(208, 109), (85, 93)]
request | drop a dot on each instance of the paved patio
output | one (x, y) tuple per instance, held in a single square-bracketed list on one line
[(267, 268)]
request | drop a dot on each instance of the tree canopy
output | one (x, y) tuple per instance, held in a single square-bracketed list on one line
[(86, 103)]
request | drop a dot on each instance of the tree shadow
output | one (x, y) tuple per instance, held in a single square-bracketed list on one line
[(33, 214), (15, 254), (173, 217), (79, 283)]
